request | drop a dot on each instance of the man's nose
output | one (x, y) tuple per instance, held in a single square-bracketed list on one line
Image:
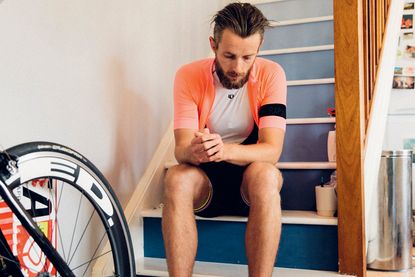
[(238, 66)]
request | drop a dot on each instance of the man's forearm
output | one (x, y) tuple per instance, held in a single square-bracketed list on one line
[(245, 154), (181, 154)]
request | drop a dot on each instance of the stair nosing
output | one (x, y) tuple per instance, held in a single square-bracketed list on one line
[(284, 165), (292, 50), (288, 217), (310, 120), (161, 269), (307, 165), (306, 82), (296, 21)]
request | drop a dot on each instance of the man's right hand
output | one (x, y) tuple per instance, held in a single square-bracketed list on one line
[(204, 146)]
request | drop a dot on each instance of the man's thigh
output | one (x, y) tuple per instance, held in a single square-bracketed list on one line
[(188, 179)]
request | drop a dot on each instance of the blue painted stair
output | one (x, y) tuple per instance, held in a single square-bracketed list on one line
[(302, 42), (307, 241)]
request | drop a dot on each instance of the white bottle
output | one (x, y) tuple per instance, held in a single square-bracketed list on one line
[(331, 146)]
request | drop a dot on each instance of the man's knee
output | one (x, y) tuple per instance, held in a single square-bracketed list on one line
[(180, 180), (263, 181)]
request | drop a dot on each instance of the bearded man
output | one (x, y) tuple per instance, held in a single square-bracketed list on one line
[(229, 126)]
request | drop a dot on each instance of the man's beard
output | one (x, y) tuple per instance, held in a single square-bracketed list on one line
[(226, 81)]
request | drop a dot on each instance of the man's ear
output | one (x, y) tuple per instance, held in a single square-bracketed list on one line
[(212, 44)]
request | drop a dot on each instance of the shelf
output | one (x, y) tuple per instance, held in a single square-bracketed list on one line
[(288, 217)]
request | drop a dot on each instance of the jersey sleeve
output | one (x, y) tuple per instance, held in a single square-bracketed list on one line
[(185, 107), (272, 112)]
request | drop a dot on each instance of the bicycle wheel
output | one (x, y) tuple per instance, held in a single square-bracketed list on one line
[(76, 209)]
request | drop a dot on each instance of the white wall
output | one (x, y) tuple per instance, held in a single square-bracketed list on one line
[(97, 75)]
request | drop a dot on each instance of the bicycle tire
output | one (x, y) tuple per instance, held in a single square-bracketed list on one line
[(66, 169)]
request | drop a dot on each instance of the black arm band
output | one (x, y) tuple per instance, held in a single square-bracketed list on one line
[(273, 109)]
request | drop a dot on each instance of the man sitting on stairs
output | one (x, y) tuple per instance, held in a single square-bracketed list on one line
[(229, 126)]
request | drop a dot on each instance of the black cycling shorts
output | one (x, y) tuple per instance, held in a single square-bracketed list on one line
[(226, 179), (226, 196)]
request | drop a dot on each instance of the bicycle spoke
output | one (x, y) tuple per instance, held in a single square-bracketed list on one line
[(86, 269), (103, 254), (55, 227), (71, 179), (83, 233), (57, 221), (75, 225)]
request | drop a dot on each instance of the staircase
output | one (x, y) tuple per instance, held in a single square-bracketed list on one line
[(301, 41)]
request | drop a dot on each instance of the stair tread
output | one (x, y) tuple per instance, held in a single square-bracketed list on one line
[(285, 165), (157, 267), (288, 217), (304, 82), (302, 20), (307, 165), (293, 50)]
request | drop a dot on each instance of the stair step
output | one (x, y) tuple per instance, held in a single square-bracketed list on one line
[(307, 240), (292, 10), (158, 267), (301, 35), (311, 82), (300, 97), (285, 165), (288, 217), (307, 165), (301, 21), (313, 120), (296, 50)]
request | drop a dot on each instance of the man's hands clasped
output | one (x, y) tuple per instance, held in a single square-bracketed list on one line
[(206, 147)]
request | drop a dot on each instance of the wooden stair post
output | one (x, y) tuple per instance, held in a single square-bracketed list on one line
[(350, 126)]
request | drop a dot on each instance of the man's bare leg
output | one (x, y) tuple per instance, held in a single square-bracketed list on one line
[(261, 185), (186, 187)]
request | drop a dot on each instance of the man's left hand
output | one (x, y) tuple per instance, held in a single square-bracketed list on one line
[(213, 145)]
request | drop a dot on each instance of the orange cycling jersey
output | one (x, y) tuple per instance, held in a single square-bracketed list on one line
[(194, 94)]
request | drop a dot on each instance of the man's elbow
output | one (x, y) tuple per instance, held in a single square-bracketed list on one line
[(275, 156)]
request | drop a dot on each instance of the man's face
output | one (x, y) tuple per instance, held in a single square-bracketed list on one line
[(235, 57)]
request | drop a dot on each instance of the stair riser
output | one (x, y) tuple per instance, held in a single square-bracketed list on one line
[(306, 65), (306, 143), (298, 191), (321, 95), (301, 246), (301, 35), (288, 10)]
